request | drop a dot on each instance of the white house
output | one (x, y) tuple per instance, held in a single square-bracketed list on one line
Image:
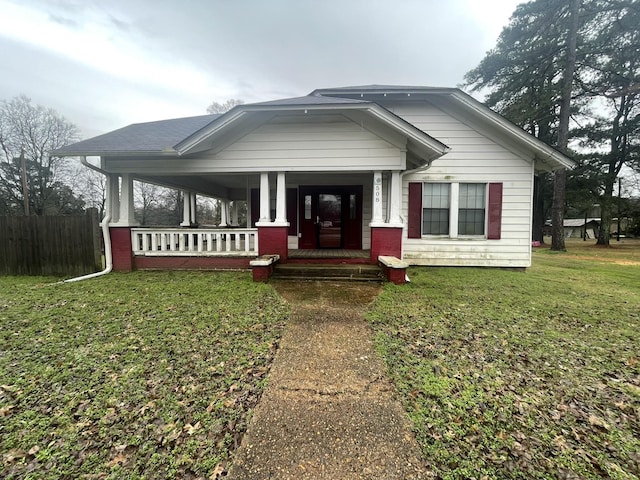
[(428, 175)]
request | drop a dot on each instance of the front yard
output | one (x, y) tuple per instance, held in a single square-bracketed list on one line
[(505, 374), (528, 375), (125, 376)]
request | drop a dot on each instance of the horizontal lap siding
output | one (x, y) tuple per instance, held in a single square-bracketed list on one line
[(473, 158), (310, 144)]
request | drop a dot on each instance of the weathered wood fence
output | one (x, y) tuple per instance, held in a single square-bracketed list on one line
[(50, 245)]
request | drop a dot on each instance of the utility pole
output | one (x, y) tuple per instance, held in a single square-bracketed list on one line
[(25, 185)]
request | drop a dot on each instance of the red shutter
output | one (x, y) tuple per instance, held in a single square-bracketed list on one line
[(495, 211), (414, 229)]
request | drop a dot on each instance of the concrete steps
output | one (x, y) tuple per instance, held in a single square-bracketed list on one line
[(328, 272)]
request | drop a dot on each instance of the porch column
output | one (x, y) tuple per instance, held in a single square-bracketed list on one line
[(272, 236), (186, 209), (265, 215), (395, 197), (121, 198), (281, 199), (224, 209), (192, 216), (234, 214), (386, 237), (113, 197), (376, 216), (126, 201)]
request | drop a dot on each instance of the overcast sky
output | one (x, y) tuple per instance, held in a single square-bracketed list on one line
[(104, 64)]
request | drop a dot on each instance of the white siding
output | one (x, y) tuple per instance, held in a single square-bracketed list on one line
[(473, 158), (314, 143)]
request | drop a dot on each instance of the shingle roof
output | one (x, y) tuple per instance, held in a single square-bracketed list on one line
[(310, 100), (156, 137)]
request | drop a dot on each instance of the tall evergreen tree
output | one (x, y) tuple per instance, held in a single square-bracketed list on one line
[(524, 75)]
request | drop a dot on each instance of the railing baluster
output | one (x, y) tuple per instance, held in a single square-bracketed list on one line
[(202, 241)]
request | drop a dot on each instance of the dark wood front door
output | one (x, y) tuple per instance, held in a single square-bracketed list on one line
[(330, 217)]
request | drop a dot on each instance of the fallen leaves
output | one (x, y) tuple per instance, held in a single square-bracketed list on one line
[(156, 382)]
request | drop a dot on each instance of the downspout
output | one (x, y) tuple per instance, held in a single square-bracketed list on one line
[(105, 229), (402, 174)]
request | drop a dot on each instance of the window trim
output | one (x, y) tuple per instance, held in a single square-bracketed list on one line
[(454, 211)]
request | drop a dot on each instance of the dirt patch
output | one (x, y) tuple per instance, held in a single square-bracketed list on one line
[(328, 411)]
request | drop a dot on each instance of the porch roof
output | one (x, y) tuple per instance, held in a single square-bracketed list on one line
[(184, 136)]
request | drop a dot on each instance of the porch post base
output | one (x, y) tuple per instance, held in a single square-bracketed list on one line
[(386, 241), (273, 240), (121, 249)]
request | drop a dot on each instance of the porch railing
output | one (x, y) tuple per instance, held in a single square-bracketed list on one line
[(195, 241)]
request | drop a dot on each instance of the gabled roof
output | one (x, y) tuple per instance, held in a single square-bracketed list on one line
[(469, 105), (177, 137), (140, 138)]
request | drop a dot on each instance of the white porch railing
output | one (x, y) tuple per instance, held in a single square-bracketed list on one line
[(195, 241)]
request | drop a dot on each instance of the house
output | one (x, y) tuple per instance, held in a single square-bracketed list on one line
[(427, 175), (585, 228)]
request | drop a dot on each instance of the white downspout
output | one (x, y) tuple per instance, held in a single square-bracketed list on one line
[(402, 175), (105, 229)]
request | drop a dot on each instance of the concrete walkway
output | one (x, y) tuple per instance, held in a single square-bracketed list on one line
[(328, 410)]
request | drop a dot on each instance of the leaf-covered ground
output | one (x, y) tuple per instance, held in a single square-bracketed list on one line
[(509, 374), (141, 375)]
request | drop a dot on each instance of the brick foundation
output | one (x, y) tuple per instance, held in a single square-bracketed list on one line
[(272, 240), (191, 263), (386, 241), (121, 249)]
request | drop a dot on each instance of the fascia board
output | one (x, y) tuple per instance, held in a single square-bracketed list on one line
[(191, 142)]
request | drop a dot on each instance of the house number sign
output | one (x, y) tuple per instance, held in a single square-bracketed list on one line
[(377, 187)]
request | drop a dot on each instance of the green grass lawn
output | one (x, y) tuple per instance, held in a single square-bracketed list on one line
[(511, 374), (135, 375)]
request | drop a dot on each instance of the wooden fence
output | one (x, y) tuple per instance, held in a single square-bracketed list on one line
[(50, 245)]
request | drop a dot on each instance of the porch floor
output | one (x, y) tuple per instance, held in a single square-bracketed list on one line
[(329, 253)]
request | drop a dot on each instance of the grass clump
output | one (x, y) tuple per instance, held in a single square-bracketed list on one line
[(140, 375), (520, 375)]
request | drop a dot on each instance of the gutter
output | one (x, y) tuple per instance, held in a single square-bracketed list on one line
[(105, 230)]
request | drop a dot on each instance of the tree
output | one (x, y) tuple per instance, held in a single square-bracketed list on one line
[(524, 75), (559, 60), (224, 107), (31, 179)]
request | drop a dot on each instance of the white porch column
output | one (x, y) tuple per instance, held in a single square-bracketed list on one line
[(234, 214), (186, 209), (395, 198), (192, 216), (265, 215), (281, 199), (113, 197), (126, 201), (454, 197), (224, 213), (376, 216)]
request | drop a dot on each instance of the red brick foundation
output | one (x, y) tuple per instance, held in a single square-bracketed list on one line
[(386, 241), (395, 275), (273, 241), (121, 249), (191, 263)]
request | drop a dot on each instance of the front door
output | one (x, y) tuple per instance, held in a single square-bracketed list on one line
[(330, 217)]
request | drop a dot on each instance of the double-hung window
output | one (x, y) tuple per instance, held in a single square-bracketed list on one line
[(455, 210), (435, 205), (471, 208)]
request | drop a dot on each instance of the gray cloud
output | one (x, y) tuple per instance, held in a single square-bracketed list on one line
[(254, 50)]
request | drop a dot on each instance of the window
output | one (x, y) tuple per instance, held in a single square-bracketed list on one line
[(455, 209), (435, 212), (471, 209)]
